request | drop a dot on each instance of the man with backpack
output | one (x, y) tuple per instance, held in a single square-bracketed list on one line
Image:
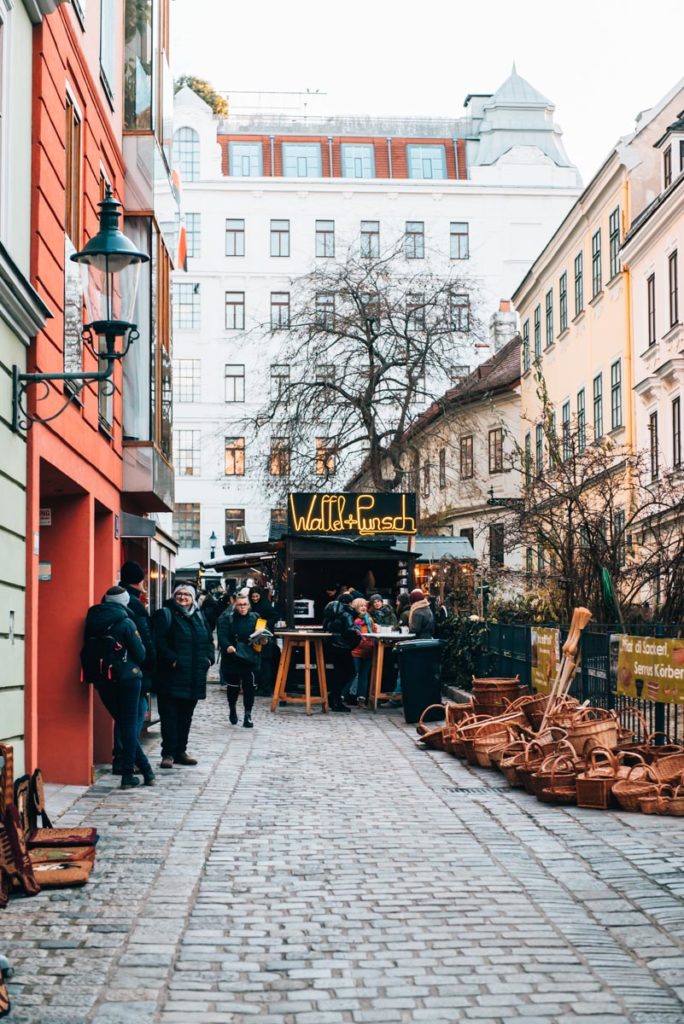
[(338, 619), (132, 579), (112, 658)]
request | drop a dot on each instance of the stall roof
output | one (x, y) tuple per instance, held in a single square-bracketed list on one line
[(239, 555), (431, 549)]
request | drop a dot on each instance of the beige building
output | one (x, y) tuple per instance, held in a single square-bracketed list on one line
[(22, 315), (574, 303)]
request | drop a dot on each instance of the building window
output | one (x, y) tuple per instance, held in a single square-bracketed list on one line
[(466, 457), (186, 524), (108, 38), (73, 296), (620, 538), (235, 237), (280, 311), (676, 433), (552, 439), (280, 238), (414, 240), (496, 544), (234, 521), (325, 310), (426, 161), (496, 450), (579, 283), (581, 420), (616, 395), (460, 313), (235, 311), (469, 533), (426, 480), (653, 442), (279, 459), (667, 167), (245, 159), (596, 263), (673, 283), (614, 241), (325, 373), (598, 406), (415, 311), (539, 449), (186, 153), (526, 346), (565, 426), (187, 445), (651, 309), (186, 305), (234, 464), (193, 224), (280, 381), (459, 241), (326, 462), (186, 380), (358, 160), (563, 302), (302, 160), (73, 174), (549, 317), (529, 560), (370, 238), (537, 332), (527, 457), (442, 468), (325, 238), (235, 382)]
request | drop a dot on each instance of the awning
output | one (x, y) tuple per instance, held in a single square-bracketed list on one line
[(432, 549)]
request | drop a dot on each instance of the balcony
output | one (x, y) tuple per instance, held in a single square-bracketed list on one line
[(148, 478)]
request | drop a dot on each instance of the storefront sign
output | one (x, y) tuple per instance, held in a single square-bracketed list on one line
[(545, 657), (45, 572), (651, 668), (45, 517), (364, 514)]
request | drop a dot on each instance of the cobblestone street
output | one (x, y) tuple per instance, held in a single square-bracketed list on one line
[(326, 870)]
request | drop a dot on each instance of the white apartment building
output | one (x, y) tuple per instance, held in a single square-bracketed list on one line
[(266, 197)]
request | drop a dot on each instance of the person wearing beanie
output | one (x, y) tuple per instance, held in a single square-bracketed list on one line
[(421, 621), (185, 650), (338, 620), (380, 612), (119, 680), (132, 577)]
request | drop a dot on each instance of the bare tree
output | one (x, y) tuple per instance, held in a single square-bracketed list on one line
[(369, 342)]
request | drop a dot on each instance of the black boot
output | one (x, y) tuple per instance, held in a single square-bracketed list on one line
[(129, 781), (335, 704), (232, 715), (247, 722)]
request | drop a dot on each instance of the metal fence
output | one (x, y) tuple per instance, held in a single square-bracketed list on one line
[(508, 653)]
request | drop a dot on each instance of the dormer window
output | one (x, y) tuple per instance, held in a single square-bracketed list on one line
[(667, 167)]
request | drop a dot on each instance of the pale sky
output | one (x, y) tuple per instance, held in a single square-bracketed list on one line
[(599, 61)]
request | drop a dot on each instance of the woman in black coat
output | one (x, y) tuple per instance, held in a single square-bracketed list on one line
[(185, 651), (267, 669)]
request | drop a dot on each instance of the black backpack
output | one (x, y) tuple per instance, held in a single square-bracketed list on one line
[(103, 658), (344, 635)]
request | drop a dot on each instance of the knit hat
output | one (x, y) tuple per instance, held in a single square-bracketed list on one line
[(377, 597), (132, 572), (356, 594), (416, 595), (116, 595), (184, 588)]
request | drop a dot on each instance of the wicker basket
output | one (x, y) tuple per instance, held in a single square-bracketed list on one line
[(555, 770), (657, 802), (676, 807), (432, 737), (593, 727), (529, 761), (595, 784), (535, 709), (668, 769), (638, 783), (560, 787)]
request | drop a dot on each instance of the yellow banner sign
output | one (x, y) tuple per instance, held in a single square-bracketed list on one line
[(545, 657), (651, 668)]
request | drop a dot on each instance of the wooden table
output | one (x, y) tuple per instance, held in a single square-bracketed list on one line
[(303, 639), (383, 640)]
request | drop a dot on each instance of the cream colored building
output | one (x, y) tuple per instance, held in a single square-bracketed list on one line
[(574, 303), (22, 314)]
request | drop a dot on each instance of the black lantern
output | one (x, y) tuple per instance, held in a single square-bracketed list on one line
[(110, 274), (213, 541)]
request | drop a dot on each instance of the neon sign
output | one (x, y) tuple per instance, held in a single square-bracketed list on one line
[(364, 514)]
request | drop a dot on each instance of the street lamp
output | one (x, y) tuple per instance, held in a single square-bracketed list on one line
[(213, 541), (110, 274)]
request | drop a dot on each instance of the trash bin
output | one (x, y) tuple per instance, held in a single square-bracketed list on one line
[(421, 676)]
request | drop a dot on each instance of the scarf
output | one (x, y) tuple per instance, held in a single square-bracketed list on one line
[(414, 607)]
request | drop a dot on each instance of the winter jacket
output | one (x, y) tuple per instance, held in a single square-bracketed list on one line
[(383, 616), (365, 625), (421, 621), (263, 610), (338, 619), (141, 617), (118, 622), (184, 652), (234, 630), (213, 608)]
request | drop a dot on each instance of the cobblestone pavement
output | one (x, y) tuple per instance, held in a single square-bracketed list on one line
[(326, 870)]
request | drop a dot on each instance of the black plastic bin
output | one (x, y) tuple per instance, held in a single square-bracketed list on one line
[(421, 676)]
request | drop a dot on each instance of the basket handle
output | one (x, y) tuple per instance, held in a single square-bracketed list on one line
[(605, 755), (658, 732), (430, 708), (565, 761)]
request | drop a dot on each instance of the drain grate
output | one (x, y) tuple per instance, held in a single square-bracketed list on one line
[(476, 790)]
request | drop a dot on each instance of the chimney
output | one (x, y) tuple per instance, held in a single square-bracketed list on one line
[(503, 325)]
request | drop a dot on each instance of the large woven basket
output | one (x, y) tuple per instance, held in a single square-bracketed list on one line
[(638, 783), (595, 783), (555, 770), (656, 802), (593, 727), (668, 769)]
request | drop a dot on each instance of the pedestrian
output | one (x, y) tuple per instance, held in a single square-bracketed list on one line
[(421, 621), (363, 652), (267, 667), (132, 579), (112, 657), (403, 607), (380, 612), (338, 620), (185, 651), (239, 660), (215, 604)]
